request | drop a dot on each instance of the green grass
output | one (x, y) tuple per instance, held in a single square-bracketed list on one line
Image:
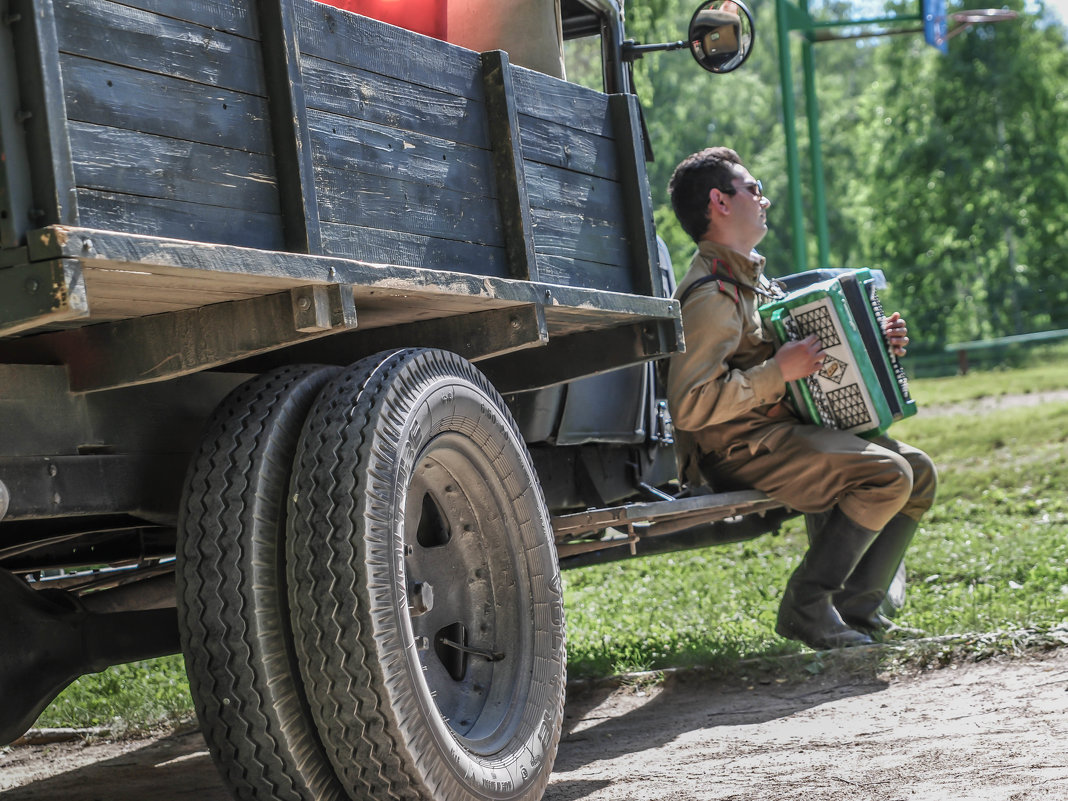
[(990, 558), (137, 696)]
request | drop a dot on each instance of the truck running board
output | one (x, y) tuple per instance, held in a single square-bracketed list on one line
[(685, 518)]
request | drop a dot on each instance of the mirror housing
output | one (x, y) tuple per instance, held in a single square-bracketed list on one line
[(720, 35)]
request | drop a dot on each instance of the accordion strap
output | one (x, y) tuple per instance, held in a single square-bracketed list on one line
[(721, 280)]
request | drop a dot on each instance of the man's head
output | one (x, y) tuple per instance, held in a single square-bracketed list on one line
[(715, 197)]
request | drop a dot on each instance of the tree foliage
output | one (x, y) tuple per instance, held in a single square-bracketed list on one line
[(947, 171)]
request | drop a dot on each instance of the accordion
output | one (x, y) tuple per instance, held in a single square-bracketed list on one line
[(861, 387)]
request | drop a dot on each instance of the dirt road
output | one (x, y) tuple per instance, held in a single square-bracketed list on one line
[(992, 731)]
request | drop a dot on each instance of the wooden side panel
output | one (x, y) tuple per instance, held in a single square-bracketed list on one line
[(403, 166), (168, 113), (404, 162), (581, 232), (168, 120)]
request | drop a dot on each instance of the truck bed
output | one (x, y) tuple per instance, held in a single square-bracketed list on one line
[(176, 163)]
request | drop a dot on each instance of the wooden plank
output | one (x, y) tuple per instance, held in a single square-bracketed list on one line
[(396, 248), (127, 162), (157, 104), (13, 256), (35, 295), (564, 234), (475, 336), (289, 127), (180, 220), (562, 103), (547, 143), (366, 95), (147, 349), (106, 31), (355, 41), (512, 202), (635, 185), (41, 92), (341, 143), (152, 253), (371, 201), (232, 16), (14, 167), (557, 190), (575, 272)]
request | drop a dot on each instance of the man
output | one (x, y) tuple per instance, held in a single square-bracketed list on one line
[(862, 497)]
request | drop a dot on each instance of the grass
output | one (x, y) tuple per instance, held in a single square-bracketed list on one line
[(992, 555), (990, 561)]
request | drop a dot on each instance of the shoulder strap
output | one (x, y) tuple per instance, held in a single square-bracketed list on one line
[(721, 280)]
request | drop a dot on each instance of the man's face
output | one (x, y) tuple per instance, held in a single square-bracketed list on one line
[(749, 207)]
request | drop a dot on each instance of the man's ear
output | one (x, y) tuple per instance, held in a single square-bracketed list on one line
[(717, 201)]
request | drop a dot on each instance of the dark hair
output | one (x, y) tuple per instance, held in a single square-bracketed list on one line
[(693, 181)]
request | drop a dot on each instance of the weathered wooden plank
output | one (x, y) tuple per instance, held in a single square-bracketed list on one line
[(475, 336), (356, 41), (575, 272), (14, 164), (152, 253), (180, 220), (131, 293), (396, 248), (386, 101), (12, 256), (106, 31), (503, 121), (289, 127), (232, 16), (579, 151), (588, 239), (147, 349), (567, 192), (372, 201), (547, 98), (35, 295), (124, 98), (341, 143), (635, 190), (41, 91), (114, 160)]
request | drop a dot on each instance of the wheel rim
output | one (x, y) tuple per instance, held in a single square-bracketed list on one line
[(461, 572)]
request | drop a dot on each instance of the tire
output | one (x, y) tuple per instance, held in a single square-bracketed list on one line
[(417, 524), (232, 602)]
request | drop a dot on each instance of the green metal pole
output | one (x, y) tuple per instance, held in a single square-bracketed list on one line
[(815, 147), (793, 162)]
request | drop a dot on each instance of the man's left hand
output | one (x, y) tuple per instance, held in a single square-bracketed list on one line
[(897, 334)]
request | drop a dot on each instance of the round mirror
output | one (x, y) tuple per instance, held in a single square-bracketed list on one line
[(721, 34)]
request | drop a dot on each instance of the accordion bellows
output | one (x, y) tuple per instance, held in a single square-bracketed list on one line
[(861, 387)]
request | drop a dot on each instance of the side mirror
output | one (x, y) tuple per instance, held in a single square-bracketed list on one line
[(720, 36)]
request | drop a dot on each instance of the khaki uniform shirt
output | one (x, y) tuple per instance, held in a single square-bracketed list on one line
[(726, 387)]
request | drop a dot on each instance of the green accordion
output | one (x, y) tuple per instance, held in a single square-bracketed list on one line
[(861, 387)]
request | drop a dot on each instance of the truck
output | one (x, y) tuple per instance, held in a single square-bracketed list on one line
[(326, 341)]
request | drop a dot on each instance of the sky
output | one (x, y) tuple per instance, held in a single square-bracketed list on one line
[(1059, 6)]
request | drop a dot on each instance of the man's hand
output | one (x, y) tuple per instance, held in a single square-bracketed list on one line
[(800, 359), (897, 334)]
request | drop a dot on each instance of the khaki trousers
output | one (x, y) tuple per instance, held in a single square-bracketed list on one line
[(812, 469)]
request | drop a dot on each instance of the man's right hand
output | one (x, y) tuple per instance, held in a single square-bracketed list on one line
[(800, 359)]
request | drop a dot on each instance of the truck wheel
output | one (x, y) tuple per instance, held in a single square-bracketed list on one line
[(424, 588), (233, 607)]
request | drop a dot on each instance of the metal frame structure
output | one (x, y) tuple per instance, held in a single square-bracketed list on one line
[(931, 14)]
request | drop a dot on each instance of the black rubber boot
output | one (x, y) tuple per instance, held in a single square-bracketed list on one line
[(807, 611), (859, 600)]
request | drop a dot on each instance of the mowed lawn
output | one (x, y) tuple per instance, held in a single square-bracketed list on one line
[(990, 559)]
